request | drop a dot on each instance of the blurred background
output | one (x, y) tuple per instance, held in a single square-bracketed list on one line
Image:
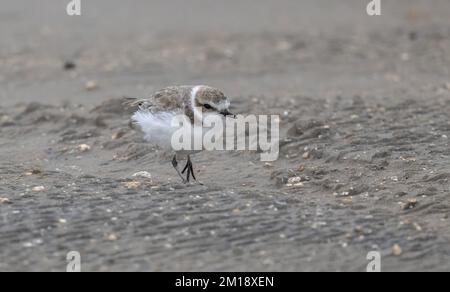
[(246, 47)]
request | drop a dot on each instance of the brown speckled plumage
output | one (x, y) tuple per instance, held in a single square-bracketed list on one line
[(206, 94), (177, 99)]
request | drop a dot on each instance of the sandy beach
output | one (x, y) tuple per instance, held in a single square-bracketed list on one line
[(364, 156)]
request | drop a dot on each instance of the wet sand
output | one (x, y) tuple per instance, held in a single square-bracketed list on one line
[(364, 162)]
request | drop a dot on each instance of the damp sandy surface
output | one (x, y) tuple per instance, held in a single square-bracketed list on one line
[(364, 162)]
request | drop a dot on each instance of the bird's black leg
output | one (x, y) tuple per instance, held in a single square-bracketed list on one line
[(189, 168), (175, 165), (186, 167)]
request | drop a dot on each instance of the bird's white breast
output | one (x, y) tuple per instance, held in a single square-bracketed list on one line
[(157, 127)]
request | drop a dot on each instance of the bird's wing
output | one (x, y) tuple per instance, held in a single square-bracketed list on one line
[(167, 99)]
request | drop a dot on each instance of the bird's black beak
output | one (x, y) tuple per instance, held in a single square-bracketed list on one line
[(227, 113)]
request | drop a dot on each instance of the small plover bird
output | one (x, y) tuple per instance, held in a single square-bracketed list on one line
[(154, 115)]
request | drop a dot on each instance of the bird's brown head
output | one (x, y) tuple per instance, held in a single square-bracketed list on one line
[(212, 100)]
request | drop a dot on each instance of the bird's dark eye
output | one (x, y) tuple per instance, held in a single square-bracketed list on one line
[(208, 107)]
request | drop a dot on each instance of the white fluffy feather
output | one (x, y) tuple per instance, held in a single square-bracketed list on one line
[(156, 126)]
